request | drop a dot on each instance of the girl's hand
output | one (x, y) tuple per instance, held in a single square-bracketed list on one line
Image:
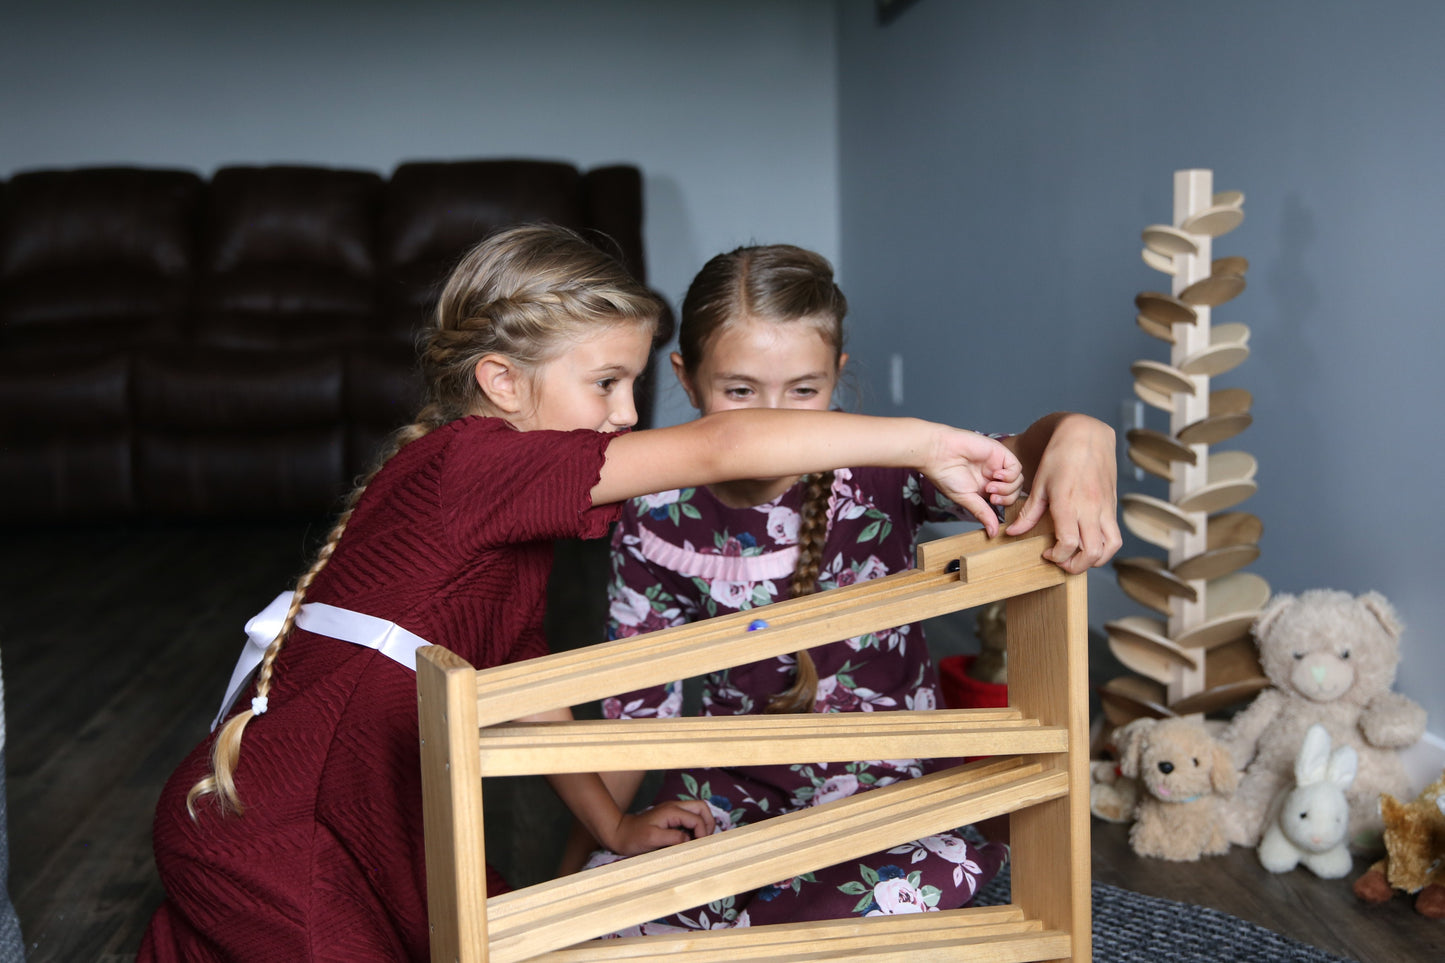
[(976, 472), (665, 824), (1076, 483)]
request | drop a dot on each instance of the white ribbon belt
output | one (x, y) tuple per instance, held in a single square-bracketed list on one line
[(388, 638)]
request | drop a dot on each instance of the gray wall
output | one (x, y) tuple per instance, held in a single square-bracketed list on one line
[(998, 161), (989, 165), (689, 91)]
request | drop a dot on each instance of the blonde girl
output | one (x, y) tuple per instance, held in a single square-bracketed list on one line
[(294, 832), (762, 328)]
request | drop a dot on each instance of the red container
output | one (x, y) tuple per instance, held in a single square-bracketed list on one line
[(961, 691)]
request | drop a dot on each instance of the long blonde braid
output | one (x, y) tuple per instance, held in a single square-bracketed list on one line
[(524, 293)]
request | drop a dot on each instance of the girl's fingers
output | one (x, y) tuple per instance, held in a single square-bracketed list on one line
[(1113, 538), (1029, 515), (1101, 541), (1074, 540), (981, 510), (702, 813), (659, 838), (1083, 544), (693, 815)]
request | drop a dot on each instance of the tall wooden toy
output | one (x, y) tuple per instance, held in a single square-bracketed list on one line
[(1194, 654)]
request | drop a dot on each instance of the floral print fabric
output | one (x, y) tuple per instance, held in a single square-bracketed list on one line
[(682, 556)]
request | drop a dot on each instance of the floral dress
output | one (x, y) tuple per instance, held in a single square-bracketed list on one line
[(682, 556)]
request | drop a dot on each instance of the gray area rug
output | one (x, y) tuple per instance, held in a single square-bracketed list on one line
[(1133, 928)]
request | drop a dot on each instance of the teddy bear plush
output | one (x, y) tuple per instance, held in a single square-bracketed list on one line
[(1415, 852), (1331, 659), (1183, 776)]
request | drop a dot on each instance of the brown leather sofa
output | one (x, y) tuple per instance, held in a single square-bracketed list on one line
[(175, 347)]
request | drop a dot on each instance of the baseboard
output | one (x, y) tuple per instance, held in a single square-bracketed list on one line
[(1424, 761)]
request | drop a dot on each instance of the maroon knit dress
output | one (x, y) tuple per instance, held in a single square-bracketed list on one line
[(453, 541)]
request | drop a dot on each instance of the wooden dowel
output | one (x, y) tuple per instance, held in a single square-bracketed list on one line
[(524, 924), (1017, 947), (779, 615), (573, 678), (592, 746), (919, 931), (930, 574), (968, 920)]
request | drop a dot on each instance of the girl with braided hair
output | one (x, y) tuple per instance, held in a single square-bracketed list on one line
[(294, 832), (762, 327)]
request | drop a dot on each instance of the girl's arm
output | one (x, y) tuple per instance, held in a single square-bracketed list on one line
[(623, 787), (967, 467), (625, 833), (1069, 462)]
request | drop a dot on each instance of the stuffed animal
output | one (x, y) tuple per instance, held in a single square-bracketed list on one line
[(1331, 659), (990, 626), (1183, 775), (1307, 824), (1113, 795), (1415, 847)]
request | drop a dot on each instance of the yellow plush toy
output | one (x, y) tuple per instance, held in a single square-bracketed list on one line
[(1415, 844)]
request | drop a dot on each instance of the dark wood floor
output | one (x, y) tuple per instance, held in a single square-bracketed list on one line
[(117, 643)]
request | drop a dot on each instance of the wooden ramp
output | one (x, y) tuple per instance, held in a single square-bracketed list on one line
[(1036, 771)]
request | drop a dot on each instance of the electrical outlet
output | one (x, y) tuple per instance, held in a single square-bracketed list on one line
[(1131, 415), (895, 379)]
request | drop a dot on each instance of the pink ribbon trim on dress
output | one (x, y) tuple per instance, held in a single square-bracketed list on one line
[(727, 568)]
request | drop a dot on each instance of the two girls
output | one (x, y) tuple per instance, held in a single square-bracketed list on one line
[(294, 832)]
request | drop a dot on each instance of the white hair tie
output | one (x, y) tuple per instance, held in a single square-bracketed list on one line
[(258, 706)]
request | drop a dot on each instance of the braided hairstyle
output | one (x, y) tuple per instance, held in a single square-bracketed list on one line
[(525, 293), (780, 284)]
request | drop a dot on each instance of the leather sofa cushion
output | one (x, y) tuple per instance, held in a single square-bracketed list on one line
[(312, 216), (204, 390), (45, 394), (67, 477), (383, 391), (614, 205), (93, 252), (221, 474), (290, 257), (65, 439), (99, 306), (433, 212), (144, 219), (286, 306)]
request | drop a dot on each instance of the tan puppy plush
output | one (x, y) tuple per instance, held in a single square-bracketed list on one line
[(1184, 777)]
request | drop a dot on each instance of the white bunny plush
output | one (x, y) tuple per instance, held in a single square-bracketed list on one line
[(1308, 823)]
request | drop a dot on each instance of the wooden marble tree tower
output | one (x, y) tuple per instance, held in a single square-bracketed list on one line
[(1195, 653)]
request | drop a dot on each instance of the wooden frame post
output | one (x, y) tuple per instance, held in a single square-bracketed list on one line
[(451, 785), (1048, 664)]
